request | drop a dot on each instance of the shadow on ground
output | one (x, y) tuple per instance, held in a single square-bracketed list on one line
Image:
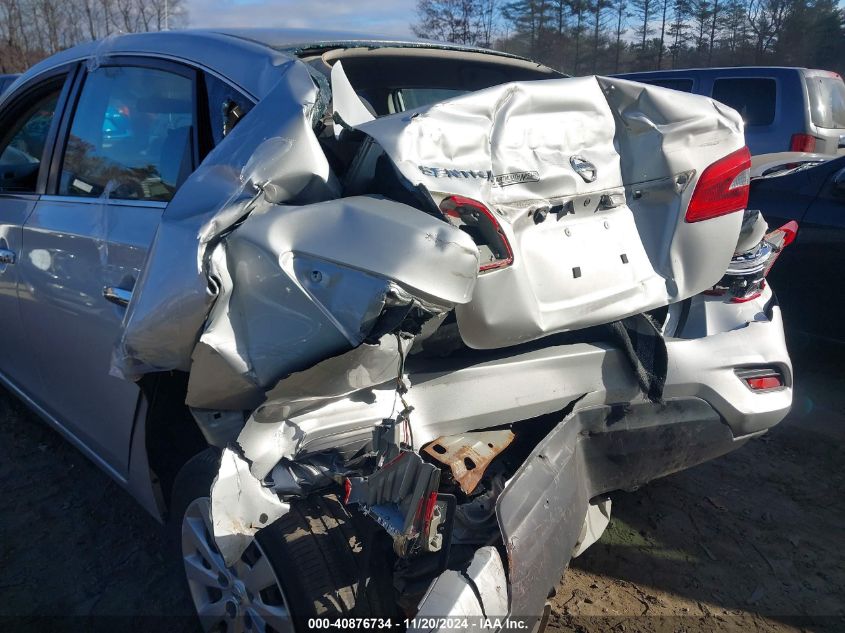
[(750, 541)]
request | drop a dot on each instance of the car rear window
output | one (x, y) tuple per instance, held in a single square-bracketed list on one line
[(827, 101), (394, 83), (753, 98), (684, 85), (410, 98)]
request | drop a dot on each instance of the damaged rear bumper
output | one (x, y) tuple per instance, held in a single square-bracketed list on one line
[(613, 438)]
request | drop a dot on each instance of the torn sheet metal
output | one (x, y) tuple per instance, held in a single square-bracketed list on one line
[(240, 506), (299, 284), (589, 178), (301, 404), (368, 365), (469, 455), (274, 148)]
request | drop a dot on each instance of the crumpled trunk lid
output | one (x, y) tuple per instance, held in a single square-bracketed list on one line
[(589, 179)]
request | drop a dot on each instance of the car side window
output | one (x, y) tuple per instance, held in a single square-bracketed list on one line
[(22, 146), (682, 85), (753, 98), (131, 136), (226, 107)]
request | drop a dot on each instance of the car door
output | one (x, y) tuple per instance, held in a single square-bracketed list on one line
[(124, 149), (817, 300), (29, 120), (801, 278)]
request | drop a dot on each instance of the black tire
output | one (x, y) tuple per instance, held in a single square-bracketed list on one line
[(193, 481), (329, 562)]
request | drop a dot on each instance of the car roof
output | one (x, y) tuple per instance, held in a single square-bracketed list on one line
[(226, 52)]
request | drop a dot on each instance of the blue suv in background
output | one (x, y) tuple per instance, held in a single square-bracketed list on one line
[(6, 81), (785, 109)]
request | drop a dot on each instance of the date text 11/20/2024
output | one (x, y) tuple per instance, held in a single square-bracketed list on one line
[(480, 623)]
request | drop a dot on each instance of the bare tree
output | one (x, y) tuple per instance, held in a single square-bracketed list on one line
[(621, 17), (766, 19), (662, 40), (644, 12), (678, 29), (33, 29), (619, 35), (713, 20), (457, 21), (598, 10)]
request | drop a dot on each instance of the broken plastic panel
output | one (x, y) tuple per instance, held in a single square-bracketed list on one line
[(349, 109), (240, 506), (401, 496), (746, 276), (479, 592)]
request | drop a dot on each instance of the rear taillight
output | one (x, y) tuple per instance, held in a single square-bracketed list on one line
[(802, 143), (779, 239), (763, 379), (482, 226), (745, 278), (722, 187)]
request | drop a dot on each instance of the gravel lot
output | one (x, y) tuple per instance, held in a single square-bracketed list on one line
[(750, 542)]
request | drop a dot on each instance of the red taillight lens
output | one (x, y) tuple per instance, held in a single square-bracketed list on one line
[(722, 187), (779, 239), (802, 143), (764, 379), (764, 382), (482, 226)]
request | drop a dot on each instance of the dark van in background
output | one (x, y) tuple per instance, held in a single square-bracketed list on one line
[(6, 81), (785, 109)]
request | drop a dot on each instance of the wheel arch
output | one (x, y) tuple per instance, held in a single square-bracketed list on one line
[(165, 437)]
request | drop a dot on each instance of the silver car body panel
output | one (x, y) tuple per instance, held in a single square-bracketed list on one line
[(512, 148), (640, 139), (301, 284), (270, 288), (521, 385), (278, 273), (278, 149)]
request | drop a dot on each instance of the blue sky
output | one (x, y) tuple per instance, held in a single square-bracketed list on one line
[(383, 17)]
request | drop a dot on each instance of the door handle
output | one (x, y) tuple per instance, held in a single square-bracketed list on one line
[(118, 296), (7, 256)]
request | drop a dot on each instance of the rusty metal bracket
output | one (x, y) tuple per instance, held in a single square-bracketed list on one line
[(468, 455)]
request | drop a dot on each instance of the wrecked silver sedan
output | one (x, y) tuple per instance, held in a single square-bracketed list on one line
[(379, 324)]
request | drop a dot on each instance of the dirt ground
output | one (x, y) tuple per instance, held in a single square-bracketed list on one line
[(752, 541)]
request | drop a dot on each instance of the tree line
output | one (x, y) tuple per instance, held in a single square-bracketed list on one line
[(30, 30), (611, 36)]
